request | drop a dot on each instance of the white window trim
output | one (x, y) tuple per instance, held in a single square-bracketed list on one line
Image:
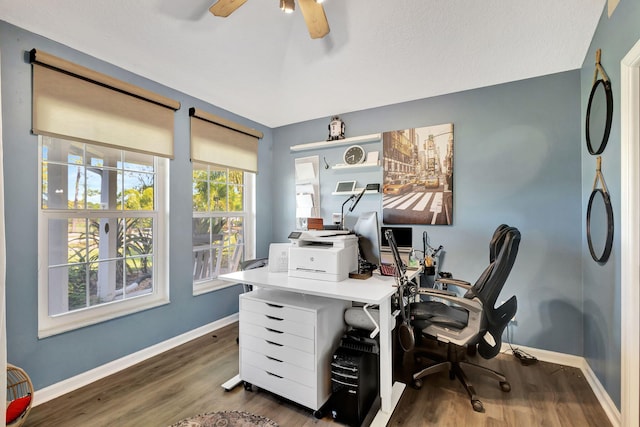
[(52, 325), (630, 236), (216, 284)]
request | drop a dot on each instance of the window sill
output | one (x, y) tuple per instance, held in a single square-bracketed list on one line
[(78, 319), (210, 286)]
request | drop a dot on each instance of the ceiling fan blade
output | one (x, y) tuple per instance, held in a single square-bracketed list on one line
[(315, 18), (224, 8)]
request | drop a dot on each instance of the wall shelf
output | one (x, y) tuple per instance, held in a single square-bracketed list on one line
[(352, 140), (359, 165), (356, 191)]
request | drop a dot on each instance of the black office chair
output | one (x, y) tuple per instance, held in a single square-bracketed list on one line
[(471, 321), (250, 264)]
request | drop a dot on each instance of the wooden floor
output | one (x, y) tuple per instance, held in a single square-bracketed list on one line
[(186, 381)]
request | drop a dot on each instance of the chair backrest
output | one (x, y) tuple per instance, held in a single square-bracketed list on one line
[(250, 264), (503, 250), (494, 244)]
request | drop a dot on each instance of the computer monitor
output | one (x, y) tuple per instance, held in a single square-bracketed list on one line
[(368, 230), (403, 237)]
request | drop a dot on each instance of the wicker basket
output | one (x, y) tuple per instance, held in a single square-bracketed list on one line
[(18, 385)]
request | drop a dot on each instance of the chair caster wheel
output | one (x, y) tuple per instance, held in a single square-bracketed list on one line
[(477, 406), (417, 384), (247, 386), (505, 386), (318, 414)]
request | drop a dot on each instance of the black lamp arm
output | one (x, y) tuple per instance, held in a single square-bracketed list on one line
[(351, 197)]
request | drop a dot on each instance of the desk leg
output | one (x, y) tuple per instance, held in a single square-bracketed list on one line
[(390, 393), (232, 383), (386, 364)]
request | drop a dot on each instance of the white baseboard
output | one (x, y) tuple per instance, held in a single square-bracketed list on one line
[(70, 384), (581, 363)]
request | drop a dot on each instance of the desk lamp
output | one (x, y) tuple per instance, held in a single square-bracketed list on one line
[(353, 205)]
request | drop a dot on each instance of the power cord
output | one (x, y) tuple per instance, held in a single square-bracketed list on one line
[(525, 358)]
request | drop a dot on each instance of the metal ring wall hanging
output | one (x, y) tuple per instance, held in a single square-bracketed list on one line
[(599, 219), (599, 110)]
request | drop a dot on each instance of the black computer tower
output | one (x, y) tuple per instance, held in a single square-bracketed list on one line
[(354, 379)]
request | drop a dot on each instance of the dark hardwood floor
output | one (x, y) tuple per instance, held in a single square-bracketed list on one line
[(186, 381)]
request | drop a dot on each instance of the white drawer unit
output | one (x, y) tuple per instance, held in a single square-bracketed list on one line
[(286, 343)]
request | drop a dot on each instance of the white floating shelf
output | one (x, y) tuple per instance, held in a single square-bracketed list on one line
[(356, 191), (338, 142), (359, 165)]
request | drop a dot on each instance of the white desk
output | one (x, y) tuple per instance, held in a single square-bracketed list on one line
[(376, 290)]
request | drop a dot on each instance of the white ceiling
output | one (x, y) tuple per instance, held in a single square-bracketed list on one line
[(261, 63)]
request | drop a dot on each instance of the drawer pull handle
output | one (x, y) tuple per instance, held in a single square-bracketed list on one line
[(273, 358), (274, 343), (273, 375), (274, 331), (274, 318), (275, 305)]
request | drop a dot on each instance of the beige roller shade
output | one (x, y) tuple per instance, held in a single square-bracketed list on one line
[(219, 141), (73, 102)]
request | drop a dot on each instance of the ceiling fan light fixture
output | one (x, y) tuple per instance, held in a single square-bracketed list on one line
[(311, 10), (288, 6)]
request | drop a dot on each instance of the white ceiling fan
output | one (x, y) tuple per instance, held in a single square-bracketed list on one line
[(312, 11)]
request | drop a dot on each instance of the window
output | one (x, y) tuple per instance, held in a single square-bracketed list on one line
[(102, 229), (222, 223), (224, 156), (102, 223)]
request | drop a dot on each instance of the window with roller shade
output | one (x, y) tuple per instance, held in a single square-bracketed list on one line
[(224, 158), (104, 153)]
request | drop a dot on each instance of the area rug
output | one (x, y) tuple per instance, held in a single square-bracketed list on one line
[(226, 419)]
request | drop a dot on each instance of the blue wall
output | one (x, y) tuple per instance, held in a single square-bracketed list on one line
[(520, 158), (517, 158), (601, 283), (62, 356)]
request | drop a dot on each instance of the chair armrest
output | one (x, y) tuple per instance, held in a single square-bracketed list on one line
[(473, 305), (454, 282), (437, 291)]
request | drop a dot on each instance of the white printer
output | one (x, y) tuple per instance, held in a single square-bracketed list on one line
[(323, 254)]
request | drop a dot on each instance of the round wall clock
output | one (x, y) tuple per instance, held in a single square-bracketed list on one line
[(354, 155)]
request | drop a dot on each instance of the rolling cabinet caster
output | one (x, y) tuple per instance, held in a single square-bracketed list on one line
[(417, 384), (247, 386), (505, 386), (318, 413), (477, 405)]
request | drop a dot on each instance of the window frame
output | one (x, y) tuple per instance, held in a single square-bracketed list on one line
[(49, 325), (249, 229)]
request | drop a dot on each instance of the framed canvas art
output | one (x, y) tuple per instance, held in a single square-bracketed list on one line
[(418, 175)]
